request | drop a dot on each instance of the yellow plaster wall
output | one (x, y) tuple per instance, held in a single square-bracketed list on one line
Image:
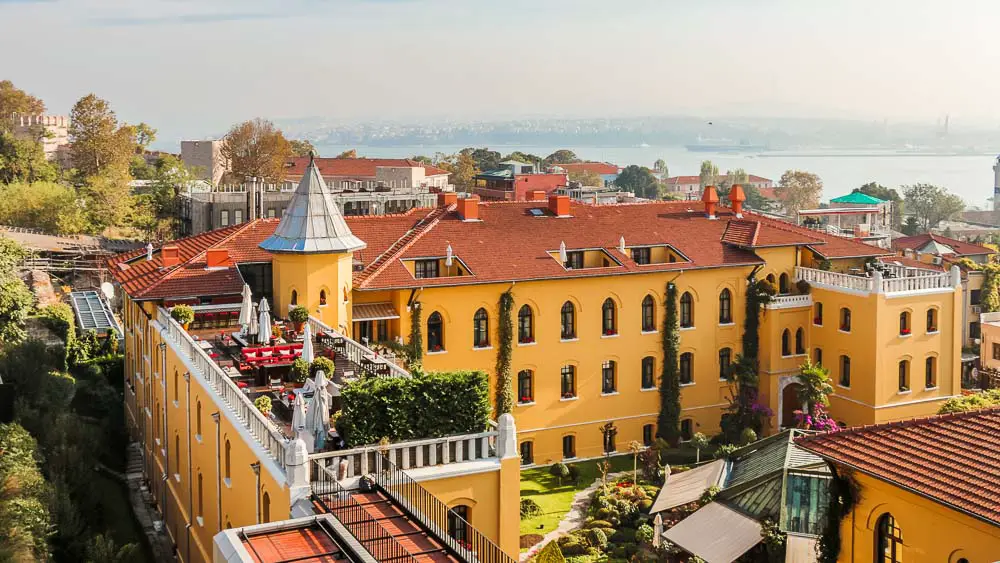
[(930, 531), (308, 274)]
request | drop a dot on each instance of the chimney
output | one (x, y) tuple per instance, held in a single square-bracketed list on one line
[(559, 205), (736, 199), (468, 208), (536, 195), (217, 258), (170, 255), (447, 198), (710, 199)]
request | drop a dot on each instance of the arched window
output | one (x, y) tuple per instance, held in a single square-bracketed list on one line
[(648, 314), (567, 386), (930, 372), (786, 343), (725, 359), (648, 367), (569, 446), (888, 540), (567, 321), (818, 314), (527, 453), (608, 379), (687, 368), (435, 332), (845, 371), (725, 307), (481, 329), (687, 310), (783, 284), (800, 341), (845, 319), (525, 325), (322, 297), (904, 375), (687, 430), (265, 508), (904, 323), (770, 279), (818, 356), (295, 298), (608, 324), (525, 389), (647, 435), (458, 522), (197, 417), (932, 320)]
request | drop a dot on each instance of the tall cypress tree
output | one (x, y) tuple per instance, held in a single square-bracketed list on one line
[(505, 332), (668, 423)]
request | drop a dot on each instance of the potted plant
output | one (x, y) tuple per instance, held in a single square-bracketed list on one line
[(263, 404), (322, 364), (299, 315), (183, 314), (300, 371)]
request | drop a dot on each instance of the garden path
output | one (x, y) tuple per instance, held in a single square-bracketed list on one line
[(574, 518)]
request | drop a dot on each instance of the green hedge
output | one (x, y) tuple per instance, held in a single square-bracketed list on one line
[(428, 405)]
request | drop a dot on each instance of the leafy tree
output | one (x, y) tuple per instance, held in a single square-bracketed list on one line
[(99, 143), (25, 522), (23, 160), (256, 148), (668, 423), (709, 175), (53, 208), (103, 549), (799, 190), (422, 159), (463, 169), (815, 386), (639, 180), (109, 200), (169, 178), (144, 135), (660, 166), (562, 156), (352, 153), (482, 159), (930, 204), (526, 158), (875, 189), (302, 147), (700, 442), (911, 226), (11, 255), (586, 178), (15, 304), (14, 100)]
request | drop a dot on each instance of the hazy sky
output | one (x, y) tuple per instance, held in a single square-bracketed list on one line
[(193, 67)]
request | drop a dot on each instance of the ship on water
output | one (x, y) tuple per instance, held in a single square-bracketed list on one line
[(724, 146)]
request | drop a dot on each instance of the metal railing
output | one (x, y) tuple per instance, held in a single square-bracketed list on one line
[(366, 359), (457, 534), (413, 454), (259, 426), (366, 529)]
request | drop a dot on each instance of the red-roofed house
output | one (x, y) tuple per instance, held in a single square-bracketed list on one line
[(920, 490), (689, 187), (370, 173)]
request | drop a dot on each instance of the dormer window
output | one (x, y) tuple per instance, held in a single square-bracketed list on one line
[(574, 260), (641, 255), (425, 268), (656, 254)]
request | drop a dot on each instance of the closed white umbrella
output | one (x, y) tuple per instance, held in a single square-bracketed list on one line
[(298, 414), (246, 309), (307, 344), (318, 416), (253, 328), (264, 306), (264, 336)]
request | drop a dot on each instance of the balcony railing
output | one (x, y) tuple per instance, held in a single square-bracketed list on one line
[(367, 360), (876, 283), (266, 433), (790, 301), (412, 455)]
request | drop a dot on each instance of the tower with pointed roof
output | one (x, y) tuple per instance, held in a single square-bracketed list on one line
[(313, 252)]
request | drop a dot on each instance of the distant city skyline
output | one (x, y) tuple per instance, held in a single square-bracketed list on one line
[(192, 68)]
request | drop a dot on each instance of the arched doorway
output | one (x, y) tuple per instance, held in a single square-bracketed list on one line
[(789, 404)]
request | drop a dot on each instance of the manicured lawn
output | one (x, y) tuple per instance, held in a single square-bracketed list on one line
[(555, 499), (538, 485)]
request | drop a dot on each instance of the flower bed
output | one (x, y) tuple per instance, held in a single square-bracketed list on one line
[(618, 528)]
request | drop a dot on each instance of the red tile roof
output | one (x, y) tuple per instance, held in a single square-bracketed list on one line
[(509, 243), (355, 167), (595, 167), (911, 263), (952, 459), (307, 544), (961, 248)]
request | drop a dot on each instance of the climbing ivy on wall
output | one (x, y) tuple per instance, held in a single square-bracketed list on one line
[(744, 411), (416, 336), (668, 423), (990, 299), (505, 333)]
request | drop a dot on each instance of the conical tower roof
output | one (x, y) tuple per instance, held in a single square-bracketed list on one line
[(312, 223)]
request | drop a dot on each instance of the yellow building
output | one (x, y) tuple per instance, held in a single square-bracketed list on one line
[(924, 490), (588, 285)]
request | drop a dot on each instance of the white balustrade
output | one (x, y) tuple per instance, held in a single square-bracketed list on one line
[(916, 283), (914, 279), (835, 279), (266, 433), (790, 301), (413, 454)]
